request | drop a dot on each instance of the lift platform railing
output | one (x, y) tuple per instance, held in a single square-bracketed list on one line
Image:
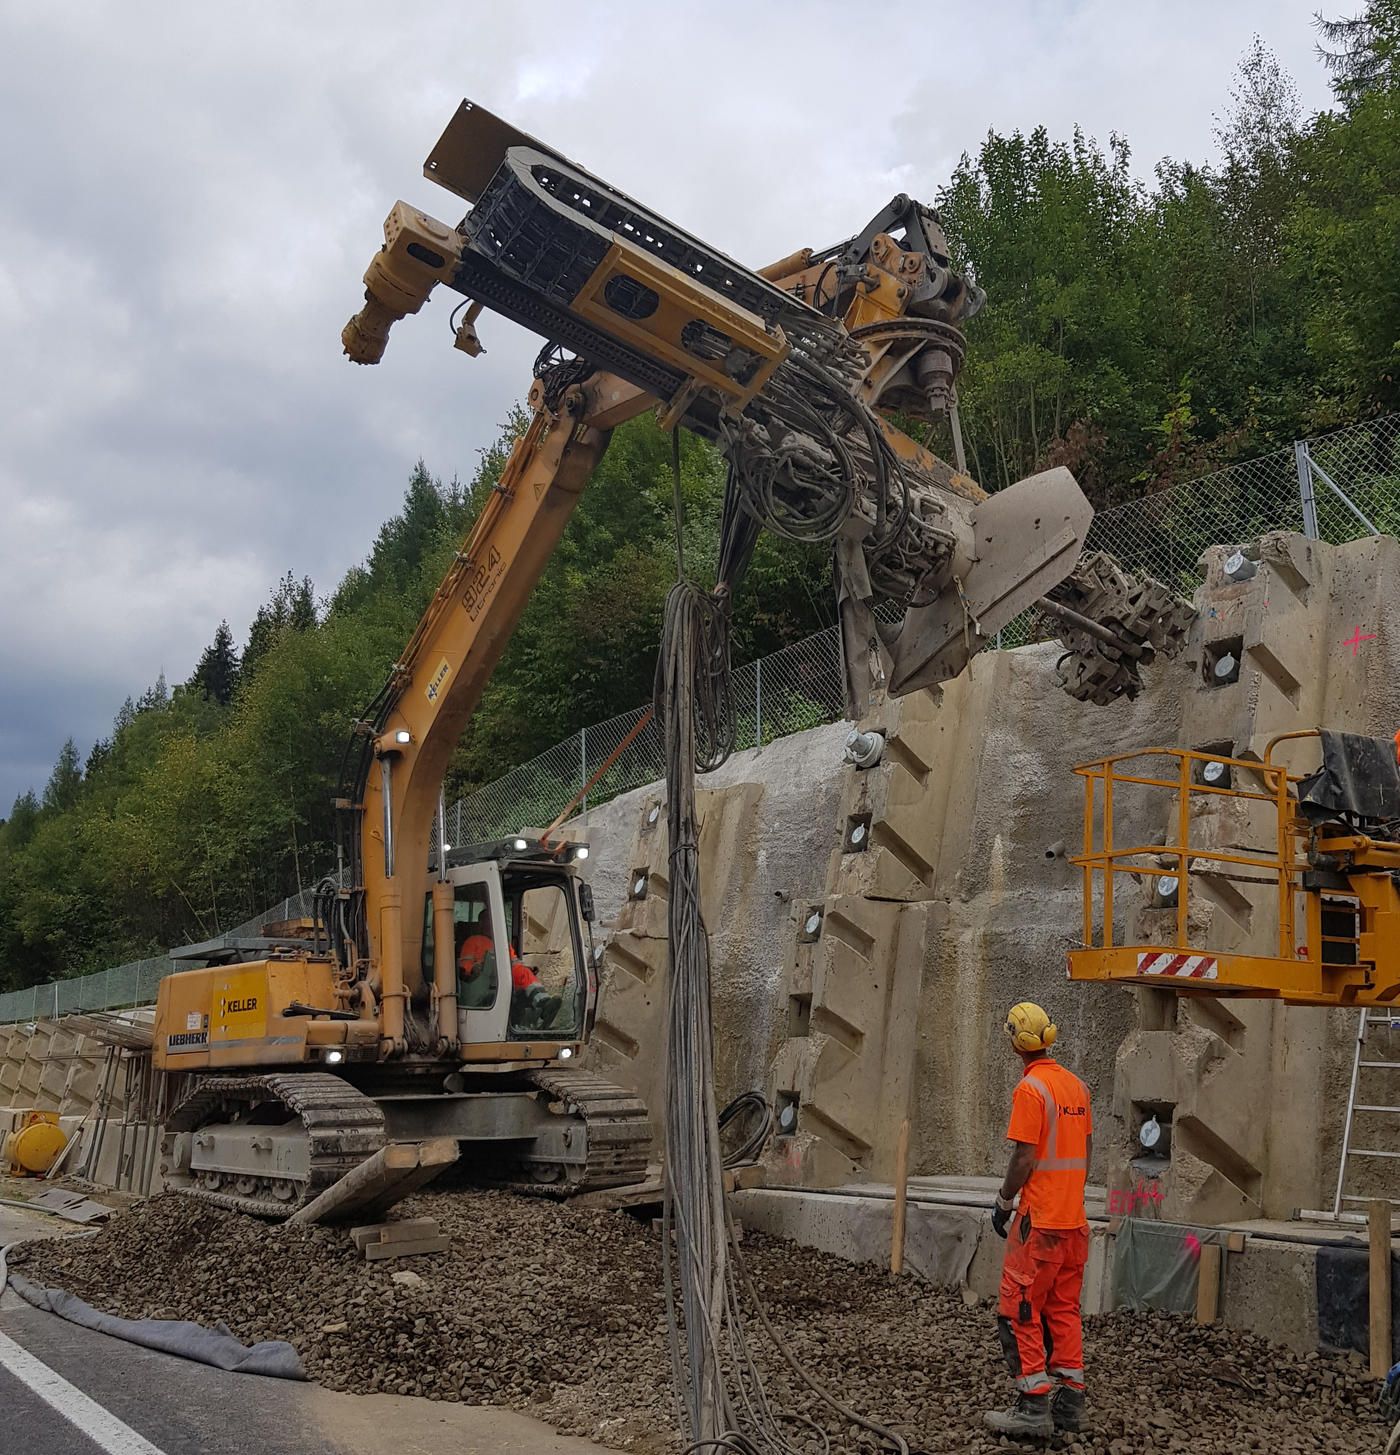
[(1185, 780), (1336, 891)]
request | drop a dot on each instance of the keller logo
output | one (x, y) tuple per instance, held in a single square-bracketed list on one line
[(439, 680), (233, 1007)]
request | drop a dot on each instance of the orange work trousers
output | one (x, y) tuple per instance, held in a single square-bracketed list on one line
[(1038, 1311)]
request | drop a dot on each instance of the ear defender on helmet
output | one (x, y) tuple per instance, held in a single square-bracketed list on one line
[(1030, 1028)]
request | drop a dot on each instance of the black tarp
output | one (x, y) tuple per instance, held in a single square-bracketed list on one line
[(1358, 776), (1344, 1297)]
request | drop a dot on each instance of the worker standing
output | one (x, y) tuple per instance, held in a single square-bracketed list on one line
[(1047, 1236)]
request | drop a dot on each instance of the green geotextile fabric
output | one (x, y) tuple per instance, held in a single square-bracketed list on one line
[(1157, 1265)]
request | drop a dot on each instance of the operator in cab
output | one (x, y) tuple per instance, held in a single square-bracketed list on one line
[(531, 1003), (1047, 1236)]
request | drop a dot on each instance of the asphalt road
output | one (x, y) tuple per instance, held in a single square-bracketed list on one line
[(144, 1402)]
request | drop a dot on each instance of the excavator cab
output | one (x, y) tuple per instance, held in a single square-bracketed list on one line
[(518, 945)]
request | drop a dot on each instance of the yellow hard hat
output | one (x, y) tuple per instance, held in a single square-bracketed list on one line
[(1030, 1028)]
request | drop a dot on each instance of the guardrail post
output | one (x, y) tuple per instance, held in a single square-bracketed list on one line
[(1305, 488)]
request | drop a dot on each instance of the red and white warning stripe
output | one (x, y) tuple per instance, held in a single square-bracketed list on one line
[(1185, 967)]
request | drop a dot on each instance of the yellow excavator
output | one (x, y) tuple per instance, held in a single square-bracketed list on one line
[(445, 994)]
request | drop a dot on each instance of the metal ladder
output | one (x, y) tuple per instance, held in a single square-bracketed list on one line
[(1388, 1021)]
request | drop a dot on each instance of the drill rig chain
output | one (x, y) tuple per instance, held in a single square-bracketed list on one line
[(342, 1126)]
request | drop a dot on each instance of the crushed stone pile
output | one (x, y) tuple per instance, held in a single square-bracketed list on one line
[(557, 1310)]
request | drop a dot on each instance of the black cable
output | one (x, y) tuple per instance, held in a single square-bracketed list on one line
[(750, 1103)]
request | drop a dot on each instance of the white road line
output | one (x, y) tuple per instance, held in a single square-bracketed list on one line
[(99, 1425)]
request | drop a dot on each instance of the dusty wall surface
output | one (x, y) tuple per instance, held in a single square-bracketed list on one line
[(49, 1067), (870, 927), (765, 835), (972, 813)]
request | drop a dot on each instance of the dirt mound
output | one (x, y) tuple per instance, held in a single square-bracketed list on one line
[(558, 1310)]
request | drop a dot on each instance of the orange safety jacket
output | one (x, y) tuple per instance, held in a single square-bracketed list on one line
[(474, 957), (1050, 1110)]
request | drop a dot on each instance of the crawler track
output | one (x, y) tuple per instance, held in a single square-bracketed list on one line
[(343, 1126), (618, 1132)]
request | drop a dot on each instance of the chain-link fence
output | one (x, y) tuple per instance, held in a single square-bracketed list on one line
[(787, 692), (1334, 487)]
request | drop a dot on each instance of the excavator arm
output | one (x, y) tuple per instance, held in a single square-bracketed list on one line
[(440, 677), (791, 371)]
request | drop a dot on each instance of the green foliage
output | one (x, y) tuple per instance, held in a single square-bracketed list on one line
[(216, 676)]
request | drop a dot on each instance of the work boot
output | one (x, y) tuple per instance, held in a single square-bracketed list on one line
[(1067, 1408), (1028, 1419)]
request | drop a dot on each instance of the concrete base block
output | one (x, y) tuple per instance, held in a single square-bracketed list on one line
[(1269, 1289)]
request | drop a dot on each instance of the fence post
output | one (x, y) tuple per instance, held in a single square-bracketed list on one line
[(1305, 488), (758, 702), (1344, 497), (583, 767)]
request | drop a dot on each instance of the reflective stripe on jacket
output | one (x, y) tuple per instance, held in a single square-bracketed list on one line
[(1051, 1111)]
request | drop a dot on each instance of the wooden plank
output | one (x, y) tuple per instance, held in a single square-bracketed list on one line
[(410, 1228), (434, 1156), (1234, 1242), (377, 1252), (634, 1194), (1378, 1220), (378, 1182), (901, 1197), (1208, 1283)]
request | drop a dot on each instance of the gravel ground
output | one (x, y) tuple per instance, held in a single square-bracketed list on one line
[(556, 1309)]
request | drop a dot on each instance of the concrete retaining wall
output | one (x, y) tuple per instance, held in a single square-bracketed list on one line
[(927, 894)]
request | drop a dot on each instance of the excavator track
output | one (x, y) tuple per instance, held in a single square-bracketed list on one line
[(619, 1135), (342, 1125)]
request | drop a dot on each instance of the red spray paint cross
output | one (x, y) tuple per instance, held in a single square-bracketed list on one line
[(1354, 641)]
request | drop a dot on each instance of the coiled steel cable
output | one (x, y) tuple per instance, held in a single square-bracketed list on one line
[(721, 1399)]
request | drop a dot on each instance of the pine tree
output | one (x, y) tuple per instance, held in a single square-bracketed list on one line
[(291, 606), (1363, 51), (216, 675), (101, 751), (155, 698), (65, 782), (24, 816)]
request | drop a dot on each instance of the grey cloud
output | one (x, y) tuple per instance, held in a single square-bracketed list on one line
[(192, 194)]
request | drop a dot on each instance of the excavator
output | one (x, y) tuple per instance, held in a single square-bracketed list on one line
[(443, 993)]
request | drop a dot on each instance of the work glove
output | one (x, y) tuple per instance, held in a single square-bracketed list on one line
[(1001, 1215)]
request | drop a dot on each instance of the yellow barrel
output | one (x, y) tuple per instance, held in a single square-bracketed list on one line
[(33, 1148)]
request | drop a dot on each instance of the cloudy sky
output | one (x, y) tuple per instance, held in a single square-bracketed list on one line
[(191, 193)]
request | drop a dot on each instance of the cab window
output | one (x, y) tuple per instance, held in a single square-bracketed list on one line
[(546, 972)]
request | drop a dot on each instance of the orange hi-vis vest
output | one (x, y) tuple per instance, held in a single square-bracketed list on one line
[(1050, 1110)]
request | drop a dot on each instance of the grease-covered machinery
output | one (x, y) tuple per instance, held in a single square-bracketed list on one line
[(302, 1052)]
